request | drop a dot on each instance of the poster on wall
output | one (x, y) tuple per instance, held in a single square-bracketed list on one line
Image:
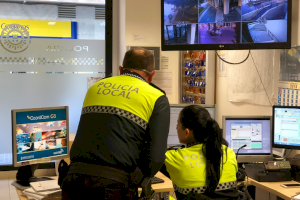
[(246, 83), (290, 64)]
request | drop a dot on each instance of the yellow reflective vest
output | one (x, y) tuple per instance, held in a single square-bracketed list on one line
[(188, 173), (124, 124), (126, 93)]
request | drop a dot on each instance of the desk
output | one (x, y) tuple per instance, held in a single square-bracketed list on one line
[(167, 186), (275, 188)]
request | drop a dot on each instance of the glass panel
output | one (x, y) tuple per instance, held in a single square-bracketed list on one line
[(46, 60)]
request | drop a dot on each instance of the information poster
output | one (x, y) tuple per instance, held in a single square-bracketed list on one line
[(290, 64)]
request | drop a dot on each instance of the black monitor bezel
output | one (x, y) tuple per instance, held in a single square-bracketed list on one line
[(273, 130), (240, 46)]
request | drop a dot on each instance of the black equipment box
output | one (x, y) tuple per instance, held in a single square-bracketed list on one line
[(272, 171)]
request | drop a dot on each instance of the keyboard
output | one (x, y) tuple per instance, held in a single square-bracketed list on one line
[(155, 180)]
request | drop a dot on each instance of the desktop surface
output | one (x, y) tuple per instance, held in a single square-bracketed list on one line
[(167, 186)]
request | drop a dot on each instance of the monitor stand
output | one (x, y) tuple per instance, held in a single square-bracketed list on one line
[(25, 175), (276, 157)]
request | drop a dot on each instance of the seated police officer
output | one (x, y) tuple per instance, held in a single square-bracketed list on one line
[(207, 167), (122, 133)]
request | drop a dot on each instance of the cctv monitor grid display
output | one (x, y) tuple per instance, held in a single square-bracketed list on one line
[(188, 22), (255, 133), (40, 134)]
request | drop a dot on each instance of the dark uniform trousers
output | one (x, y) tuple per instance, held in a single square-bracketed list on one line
[(80, 186)]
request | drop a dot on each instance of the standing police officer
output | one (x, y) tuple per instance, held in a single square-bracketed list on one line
[(122, 133)]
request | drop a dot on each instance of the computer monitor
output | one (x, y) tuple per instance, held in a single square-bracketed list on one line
[(286, 126), (39, 135), (254, 131), (175, 110)]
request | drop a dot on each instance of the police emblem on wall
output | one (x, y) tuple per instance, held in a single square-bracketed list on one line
[(15, 38)]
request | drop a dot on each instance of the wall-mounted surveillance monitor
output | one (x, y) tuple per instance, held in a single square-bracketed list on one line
[(225, 24)]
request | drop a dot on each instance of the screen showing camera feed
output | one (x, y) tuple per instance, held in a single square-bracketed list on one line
[(189, 22), (41, 134)]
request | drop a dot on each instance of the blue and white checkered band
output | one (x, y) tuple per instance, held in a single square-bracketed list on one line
[(201, 189), (116, 111), (135, 75)]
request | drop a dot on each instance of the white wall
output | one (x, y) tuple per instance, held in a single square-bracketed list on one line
[(225, 107), (142, 28), (295, 40), (229, 108)]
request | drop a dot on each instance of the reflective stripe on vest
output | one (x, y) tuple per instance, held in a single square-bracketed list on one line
[(122, 95), (199, 190)]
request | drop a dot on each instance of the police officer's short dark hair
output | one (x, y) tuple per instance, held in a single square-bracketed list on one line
[(139, 59)]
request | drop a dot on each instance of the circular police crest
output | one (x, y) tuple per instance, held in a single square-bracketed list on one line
[(15, 38)]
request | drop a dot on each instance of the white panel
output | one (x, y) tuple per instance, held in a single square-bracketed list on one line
[(40, 90), (29, 12), (85, 16), (56, 55), (173, 140), (47, 58), (102, 2), (87, 26)]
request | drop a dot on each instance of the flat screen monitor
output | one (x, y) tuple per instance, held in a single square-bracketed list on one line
[(40, 135), (286, 127), (175, 110), (225, 24), (254, 131)]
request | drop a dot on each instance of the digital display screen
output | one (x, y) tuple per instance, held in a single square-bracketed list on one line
[(287, 126), (204, 22), (174, 114), (255, 133), (41, 134)]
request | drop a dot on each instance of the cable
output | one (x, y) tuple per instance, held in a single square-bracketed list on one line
[(239, 150), (287, 155), (231, 62), (245, 188), (9, 187), (260, 79)]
